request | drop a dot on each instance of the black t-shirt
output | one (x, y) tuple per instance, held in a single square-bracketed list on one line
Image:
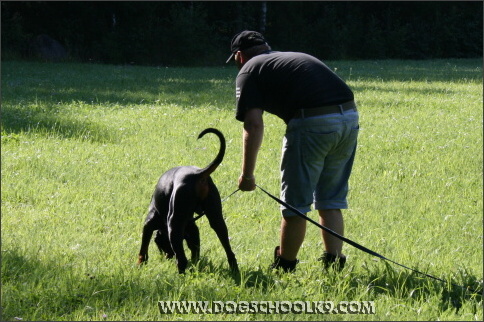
[(282, 82)]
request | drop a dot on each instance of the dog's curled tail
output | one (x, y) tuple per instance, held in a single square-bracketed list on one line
[(218, 159)]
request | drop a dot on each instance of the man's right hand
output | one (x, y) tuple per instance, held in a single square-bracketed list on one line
[(246, 183)]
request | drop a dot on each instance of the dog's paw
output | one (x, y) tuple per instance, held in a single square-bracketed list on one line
[(142, 260)]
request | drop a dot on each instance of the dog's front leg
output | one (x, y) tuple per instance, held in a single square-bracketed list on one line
[(163, 243), (145, 242), (148, 228)]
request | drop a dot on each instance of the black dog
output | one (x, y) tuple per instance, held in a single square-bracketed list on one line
[(181, 192)]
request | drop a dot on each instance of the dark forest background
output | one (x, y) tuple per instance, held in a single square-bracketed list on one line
[(198, 33)]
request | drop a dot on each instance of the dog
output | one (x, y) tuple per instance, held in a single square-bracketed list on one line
[(179, 194)]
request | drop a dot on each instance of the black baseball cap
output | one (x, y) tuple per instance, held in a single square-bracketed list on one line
[(244, 40)]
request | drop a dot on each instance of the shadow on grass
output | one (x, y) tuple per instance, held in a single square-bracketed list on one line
[(122, 86), (33, 289), (186, 87), (17, 120), (21, 278), (382, 278), (259, 279), (386, 279), (56, 86)]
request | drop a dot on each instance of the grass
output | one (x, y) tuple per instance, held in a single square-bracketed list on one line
[(83, 146)]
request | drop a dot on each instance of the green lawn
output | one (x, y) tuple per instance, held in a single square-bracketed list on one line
[(83, 146)]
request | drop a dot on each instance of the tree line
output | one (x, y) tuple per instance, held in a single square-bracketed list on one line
[(198, 33)]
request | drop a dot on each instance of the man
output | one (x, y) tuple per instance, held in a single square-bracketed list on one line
[(318, 147)]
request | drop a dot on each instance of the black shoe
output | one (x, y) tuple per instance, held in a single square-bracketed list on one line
[(332, 261), (279, 262)]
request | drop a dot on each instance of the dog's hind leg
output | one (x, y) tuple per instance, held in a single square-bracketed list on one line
[(213, 211), (179, 213), (192, 236), (176, 233)]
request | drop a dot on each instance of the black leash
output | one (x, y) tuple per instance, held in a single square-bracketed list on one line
[(202, 214), (360, 247)]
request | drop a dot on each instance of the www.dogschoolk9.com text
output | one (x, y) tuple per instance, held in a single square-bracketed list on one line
[(267, 307)]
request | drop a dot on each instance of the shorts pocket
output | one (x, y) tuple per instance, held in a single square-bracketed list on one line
[(347, 145), (318, 145)]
